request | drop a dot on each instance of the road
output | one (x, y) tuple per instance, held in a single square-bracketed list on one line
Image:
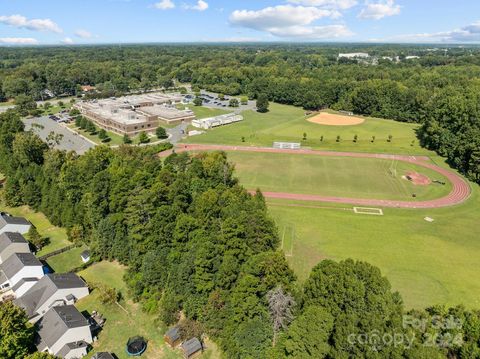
[(460, 188), (70, 141)]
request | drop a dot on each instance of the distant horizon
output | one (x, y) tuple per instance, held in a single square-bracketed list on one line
[(272, 42), (92, 22)]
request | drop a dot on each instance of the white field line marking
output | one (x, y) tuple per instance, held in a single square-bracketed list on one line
[(366, 210)]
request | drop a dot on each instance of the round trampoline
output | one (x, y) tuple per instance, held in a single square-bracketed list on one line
[(136, 346)]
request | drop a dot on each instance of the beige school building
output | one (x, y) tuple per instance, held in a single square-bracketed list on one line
[(134, 114)]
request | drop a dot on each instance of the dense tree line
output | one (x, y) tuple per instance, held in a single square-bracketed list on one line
[(197, 243)]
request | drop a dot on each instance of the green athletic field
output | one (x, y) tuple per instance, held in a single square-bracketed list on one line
[(288, 123), (334, 176), (428, 263)]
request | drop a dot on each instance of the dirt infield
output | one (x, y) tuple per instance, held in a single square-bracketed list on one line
[(330, 119), (460, 191), (418, 179)]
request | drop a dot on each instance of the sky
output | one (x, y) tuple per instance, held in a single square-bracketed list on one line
[(45, 22)]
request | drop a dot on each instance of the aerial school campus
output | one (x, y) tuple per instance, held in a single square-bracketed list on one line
[(292, 199)]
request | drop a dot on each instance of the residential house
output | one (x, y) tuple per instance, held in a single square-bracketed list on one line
[(13, 224), (50, 291), (11, 243), (18, 267), (64, 332)]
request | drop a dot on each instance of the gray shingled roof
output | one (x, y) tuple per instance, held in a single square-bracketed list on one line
[(57, 321), (17, 262), (45, 288), (22, 282), (103, 355), (191, 346), (67, 348), (7, 238), (4, 220), (173, 333)]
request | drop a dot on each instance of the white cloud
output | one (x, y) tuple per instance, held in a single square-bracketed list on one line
[(83, 34), (291, 22), (67, 41), (164, 5), (469, 33), (200, 6), (330, 4), (18, 40), (279, 16), (377, 11), (31, 24)]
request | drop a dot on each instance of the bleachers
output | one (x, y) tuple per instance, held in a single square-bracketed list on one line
[(287, 145)]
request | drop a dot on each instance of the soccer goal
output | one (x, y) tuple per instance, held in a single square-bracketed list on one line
[(393, 168), (288, 238)]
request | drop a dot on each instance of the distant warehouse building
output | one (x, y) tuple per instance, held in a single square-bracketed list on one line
[(207, 123), (134, 114), (354, 55)]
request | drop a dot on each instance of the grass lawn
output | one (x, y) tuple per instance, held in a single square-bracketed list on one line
[(288, 123), (116, 139), (66, 261), (57, 236), (428, 263), (334, 176), (205, 112), (56, 109), (121, 324)]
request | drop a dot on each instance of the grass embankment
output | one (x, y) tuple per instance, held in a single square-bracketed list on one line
[(288, 123), (115, 139)]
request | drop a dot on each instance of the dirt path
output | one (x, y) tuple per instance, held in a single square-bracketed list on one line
[(460, 191)]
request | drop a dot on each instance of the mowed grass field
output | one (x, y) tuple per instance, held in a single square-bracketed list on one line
[(288, 123), (428, 263), (334, 176)]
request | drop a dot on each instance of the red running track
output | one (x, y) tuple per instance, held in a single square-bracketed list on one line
[(460, 192)]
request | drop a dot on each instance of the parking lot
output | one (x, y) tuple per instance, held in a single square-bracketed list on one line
[(211, 99), (43, 126)]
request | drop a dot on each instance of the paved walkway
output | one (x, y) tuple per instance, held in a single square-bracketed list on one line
[(460, 192)]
